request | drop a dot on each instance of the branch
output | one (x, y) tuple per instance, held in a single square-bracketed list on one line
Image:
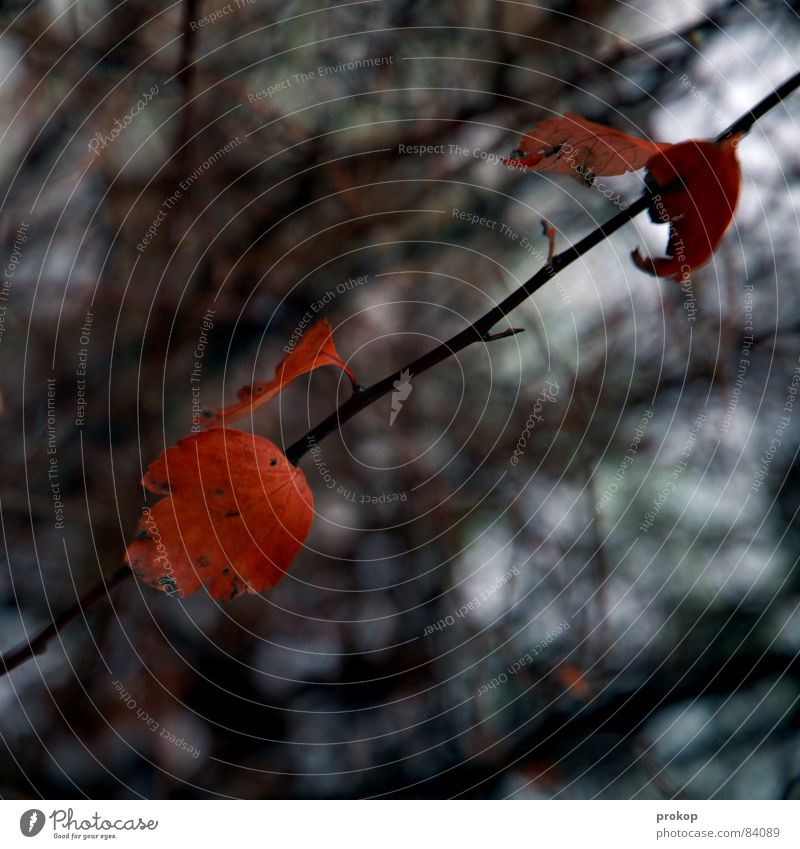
[(478, 331), (745, 123), (38, 643)]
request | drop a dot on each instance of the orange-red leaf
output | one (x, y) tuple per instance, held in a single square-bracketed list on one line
[(574, 680), (574, 145), (315, 349), (235, 516), (698, 187)]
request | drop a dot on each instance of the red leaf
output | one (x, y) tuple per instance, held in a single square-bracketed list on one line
[(574, 145), (235, 516), (572, 678), (699, 185), (315, 349)]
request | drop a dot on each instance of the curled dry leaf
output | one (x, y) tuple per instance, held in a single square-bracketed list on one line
[(235, 515), (697, 185), (315, 350), (571, 144), (696, 182)]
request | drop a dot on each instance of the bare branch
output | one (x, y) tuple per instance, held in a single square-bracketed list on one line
[(38, 643), (479, 330)]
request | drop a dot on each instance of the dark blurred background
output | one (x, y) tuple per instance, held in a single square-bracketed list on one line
[(610, 612)]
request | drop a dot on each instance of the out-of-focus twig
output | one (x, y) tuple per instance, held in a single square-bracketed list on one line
[(38, 643)]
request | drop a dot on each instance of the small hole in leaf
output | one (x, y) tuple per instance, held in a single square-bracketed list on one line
[(273, 462)]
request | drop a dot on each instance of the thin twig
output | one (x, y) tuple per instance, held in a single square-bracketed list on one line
[(745, 123), (479, 331), (476, 332), (38, 643)]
